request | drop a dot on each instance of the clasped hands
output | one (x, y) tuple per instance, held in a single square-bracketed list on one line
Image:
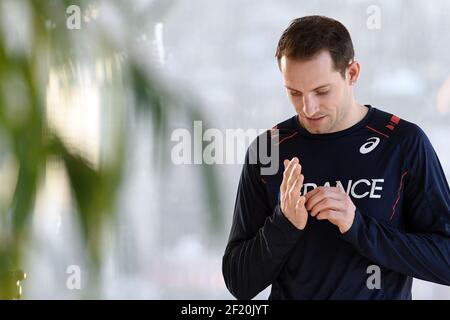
[(330, 203)]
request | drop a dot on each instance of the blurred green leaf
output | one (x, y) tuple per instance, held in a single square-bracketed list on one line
[(34, 142)]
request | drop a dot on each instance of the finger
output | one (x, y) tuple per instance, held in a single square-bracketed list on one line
[(295, 188), (297, 185), (311, 193), (286, 175), (293, 179), (326, 204), (341, 188), (291, 165), (302, 179), (322, 188), (284, 182), (295, 172), (312, 198), (330, 215), (338, 189)]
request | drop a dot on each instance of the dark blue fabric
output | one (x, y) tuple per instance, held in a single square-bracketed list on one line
[(402, 221)]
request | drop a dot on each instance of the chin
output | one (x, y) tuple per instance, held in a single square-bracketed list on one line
[(313, 130), (319, 128), (317, 131)]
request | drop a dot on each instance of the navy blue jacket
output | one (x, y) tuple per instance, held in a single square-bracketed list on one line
[(402, 222)]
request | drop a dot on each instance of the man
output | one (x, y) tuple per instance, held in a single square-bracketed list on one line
[(361, 204)]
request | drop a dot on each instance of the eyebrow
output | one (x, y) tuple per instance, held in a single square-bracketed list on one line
[(319, 87)]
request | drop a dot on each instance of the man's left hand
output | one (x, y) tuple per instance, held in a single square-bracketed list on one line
[(333, 204)]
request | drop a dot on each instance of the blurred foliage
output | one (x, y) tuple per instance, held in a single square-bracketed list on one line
[(29, 142)]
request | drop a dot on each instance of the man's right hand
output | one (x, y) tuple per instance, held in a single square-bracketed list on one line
[(292, 204)]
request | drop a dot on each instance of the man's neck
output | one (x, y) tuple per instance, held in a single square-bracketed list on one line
[(356, 113)]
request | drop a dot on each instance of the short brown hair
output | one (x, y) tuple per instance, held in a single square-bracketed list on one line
[(307, 36)]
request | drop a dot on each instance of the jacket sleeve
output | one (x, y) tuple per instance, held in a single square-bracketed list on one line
[(422, 250), (260, 238)]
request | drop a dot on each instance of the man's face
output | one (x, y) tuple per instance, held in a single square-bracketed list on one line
[(319, 93)]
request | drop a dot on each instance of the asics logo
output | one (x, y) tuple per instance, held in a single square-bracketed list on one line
[(369, 145)]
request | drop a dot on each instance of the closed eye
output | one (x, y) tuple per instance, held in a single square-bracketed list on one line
[(295, 93)]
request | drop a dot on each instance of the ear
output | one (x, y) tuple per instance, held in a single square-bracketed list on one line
[(353, 70)]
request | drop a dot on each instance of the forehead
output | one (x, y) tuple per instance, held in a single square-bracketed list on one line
[(308, 74)]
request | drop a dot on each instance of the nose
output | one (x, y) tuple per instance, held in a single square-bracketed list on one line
[(310, 106)]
